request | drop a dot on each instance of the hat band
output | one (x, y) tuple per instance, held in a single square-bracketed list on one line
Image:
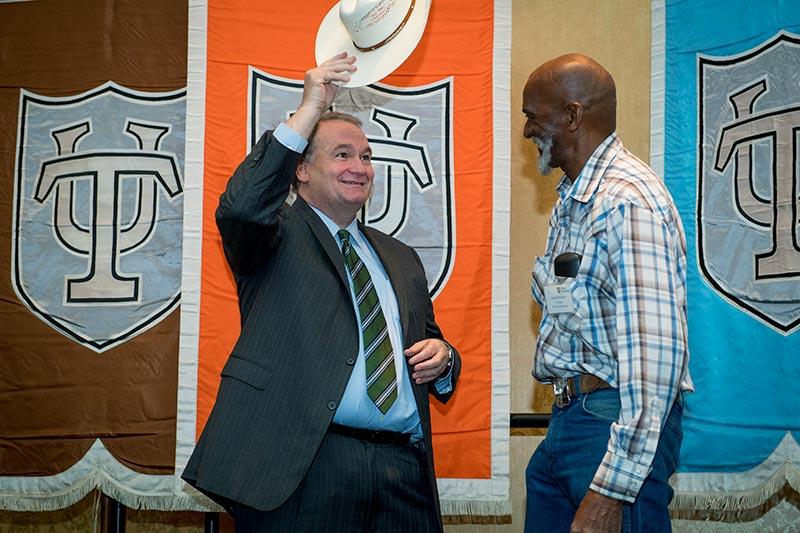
[(392, 35)]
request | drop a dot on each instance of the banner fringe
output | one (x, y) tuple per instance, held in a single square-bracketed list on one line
[(476, 511), (173, 502), (453, 511), (97, 480), (51, 502), (739, 500)]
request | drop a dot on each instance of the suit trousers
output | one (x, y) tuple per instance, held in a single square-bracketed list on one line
[(353, 486), (563, 465)]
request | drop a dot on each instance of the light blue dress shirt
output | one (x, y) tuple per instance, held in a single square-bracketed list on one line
[(356, 409)]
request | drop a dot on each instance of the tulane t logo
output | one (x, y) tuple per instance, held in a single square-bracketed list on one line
[(98, 225), (748, 196), (105, 239), (778, 211)]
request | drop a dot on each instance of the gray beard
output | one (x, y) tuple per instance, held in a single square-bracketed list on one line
[(545, 145)]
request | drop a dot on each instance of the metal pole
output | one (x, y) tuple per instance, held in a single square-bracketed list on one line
[(529, 420), (112, 515), (211, 522)]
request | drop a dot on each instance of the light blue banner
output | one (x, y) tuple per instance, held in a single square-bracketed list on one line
[(731, 145)]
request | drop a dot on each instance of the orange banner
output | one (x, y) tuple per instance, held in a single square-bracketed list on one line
[(278, 38)]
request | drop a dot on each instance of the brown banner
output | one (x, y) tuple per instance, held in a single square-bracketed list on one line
[(58, 394)]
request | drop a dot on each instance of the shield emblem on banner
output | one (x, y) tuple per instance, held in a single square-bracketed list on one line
[(98, 211), (748, 181), (410, 132)]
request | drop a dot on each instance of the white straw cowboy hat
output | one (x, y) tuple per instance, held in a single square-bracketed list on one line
[(380, 33)]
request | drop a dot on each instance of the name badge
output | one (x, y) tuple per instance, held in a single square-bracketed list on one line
[(558, 298)]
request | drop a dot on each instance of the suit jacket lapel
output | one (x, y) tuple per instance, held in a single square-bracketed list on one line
[(324, 237)]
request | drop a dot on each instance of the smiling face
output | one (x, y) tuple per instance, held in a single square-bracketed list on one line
[(337, 176)]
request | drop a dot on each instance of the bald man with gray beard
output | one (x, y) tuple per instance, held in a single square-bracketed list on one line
[(612, 340)]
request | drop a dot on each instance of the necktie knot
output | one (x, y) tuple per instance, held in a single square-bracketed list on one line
[(344, 238)]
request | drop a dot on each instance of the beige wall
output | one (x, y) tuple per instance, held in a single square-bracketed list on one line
[(616, 33)]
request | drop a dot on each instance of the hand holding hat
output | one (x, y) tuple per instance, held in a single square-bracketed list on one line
[(381, 34), (319, 90)]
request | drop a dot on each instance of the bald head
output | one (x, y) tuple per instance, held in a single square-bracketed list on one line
[(573, 100), (577, 78)]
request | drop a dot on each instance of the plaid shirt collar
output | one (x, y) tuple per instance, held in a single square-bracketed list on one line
[(592, 172)]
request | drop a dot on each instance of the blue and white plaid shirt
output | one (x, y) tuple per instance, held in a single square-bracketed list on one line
[(628, 326)]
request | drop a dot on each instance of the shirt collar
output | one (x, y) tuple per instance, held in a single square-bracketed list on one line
[(592, 172), (334, 228)]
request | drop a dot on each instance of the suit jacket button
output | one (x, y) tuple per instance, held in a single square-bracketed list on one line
[(351, 361), (332, 405)]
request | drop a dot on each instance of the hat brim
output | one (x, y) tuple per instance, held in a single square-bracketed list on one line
[(332, 38)]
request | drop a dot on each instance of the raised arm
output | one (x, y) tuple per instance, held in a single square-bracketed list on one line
[(248, 213)]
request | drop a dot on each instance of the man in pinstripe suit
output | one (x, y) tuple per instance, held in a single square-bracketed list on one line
[(308, 433)]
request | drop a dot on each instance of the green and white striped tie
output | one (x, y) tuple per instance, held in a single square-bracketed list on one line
[(379, 359)]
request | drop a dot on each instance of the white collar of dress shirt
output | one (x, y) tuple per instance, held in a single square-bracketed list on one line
[(334, 228)]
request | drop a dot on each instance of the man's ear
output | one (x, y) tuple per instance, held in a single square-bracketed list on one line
[(302, 172), (574, 112)]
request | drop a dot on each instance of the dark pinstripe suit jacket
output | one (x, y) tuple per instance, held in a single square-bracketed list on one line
[(299, 339)]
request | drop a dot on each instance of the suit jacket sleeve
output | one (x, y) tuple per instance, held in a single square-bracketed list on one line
[(248, 216)]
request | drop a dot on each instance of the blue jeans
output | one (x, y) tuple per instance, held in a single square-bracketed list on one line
[(562, 467)]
